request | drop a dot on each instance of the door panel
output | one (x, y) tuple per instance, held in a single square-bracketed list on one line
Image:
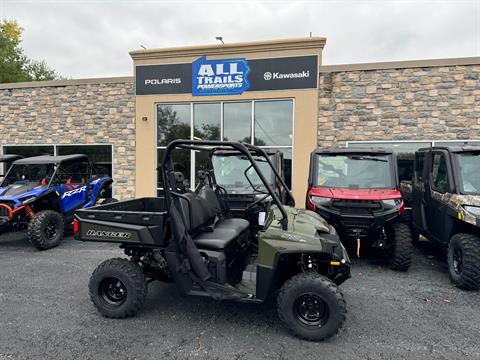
[(74, 177), (438, 188), (73, 196), (418, 192)]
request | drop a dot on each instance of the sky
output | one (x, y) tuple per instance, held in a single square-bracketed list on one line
[(84, 39)]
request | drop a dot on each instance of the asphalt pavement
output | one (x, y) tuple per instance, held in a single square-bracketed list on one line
[(45, 313)]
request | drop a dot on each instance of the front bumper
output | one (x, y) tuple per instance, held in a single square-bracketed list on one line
[(357, 225)]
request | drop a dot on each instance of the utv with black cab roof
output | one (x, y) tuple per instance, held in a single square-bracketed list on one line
[(445, 195), (41, 193), (357, 191), (191, 239)]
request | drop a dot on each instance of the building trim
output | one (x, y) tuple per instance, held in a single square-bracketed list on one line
[(401, 64), (72, 82), (234, 48)]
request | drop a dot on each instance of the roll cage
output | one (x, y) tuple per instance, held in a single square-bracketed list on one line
[(57, 161), (247, 150)]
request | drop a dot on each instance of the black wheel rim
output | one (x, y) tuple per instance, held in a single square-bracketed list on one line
[(113, 291), (457, 260), (51, 230), (310, 309)]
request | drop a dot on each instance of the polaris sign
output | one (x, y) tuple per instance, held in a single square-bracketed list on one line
[(219, 77)]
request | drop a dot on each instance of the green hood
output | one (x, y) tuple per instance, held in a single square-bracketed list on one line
[(301, 221), (307, 232)]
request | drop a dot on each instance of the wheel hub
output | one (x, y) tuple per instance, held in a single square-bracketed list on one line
[(51, 229), (311, 310), (458, 260), (113, 291)]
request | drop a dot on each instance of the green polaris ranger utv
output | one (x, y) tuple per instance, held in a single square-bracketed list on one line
[(190, 238), (445, 201)]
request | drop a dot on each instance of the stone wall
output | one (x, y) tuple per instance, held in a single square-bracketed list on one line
[(98, 112), (413, 103)]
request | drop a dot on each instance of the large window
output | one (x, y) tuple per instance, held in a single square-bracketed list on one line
[(405, 151), (270, 123)]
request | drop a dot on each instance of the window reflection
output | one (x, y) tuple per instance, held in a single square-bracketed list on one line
[(273, 123), (237, 121), (173, 122), (206, 119)]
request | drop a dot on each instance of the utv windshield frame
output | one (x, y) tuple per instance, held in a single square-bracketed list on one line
[(229, 153), (389, 155), (247, 150)]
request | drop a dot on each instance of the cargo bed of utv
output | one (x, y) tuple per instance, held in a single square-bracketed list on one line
[(138, 221)]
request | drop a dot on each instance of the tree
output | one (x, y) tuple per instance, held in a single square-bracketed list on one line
[(15, 66)]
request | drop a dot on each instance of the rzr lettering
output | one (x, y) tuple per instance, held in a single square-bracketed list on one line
[(74, 191)]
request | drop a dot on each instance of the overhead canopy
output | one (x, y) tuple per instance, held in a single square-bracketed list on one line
[(9, 157), (47, 159)]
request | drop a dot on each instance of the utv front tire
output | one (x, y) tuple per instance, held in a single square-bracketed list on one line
[(45, 230), (118, 288), (463, 258), (311, 306), (402, 247)]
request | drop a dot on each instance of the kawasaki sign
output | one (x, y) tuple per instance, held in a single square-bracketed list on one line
[(206, 77)]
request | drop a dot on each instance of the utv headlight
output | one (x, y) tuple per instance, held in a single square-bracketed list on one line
[(321, 201), (392, 202), (28, 200), (474, 210)]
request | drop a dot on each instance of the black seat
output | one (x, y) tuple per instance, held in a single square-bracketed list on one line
[(204, 221), (219, 239), (239, 225)]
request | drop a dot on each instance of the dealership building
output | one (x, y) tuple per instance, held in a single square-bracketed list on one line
[(274, 94)]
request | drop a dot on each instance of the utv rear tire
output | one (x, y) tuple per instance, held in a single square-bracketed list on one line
[(118, 288), (311, 306), (402, 247), (45, 230), (463, 258), (415, 236)]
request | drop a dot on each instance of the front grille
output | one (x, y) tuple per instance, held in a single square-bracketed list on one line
[(357, 223), (356, 207), (3, 211)]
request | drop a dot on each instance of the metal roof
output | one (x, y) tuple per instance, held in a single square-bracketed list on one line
[(48, 159), (354, 150), (9, 157)]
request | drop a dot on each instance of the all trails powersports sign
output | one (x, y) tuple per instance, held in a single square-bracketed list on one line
[(219, 77), (206, 77)]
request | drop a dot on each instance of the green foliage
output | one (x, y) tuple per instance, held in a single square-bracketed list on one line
[(15, 66)]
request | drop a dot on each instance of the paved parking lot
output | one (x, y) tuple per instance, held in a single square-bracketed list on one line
[(45, 313)]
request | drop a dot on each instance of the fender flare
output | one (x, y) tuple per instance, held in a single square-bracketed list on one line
[(107, 182)]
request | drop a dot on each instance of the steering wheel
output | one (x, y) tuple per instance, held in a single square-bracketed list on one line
[(257, 201)]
